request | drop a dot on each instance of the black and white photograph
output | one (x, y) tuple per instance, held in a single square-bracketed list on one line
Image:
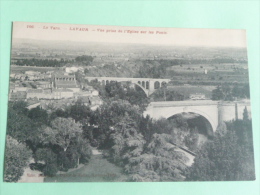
[(92, 103)]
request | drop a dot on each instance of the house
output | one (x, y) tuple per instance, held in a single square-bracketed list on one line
[(34, 93), (29, 72), (18, 96), (34, 105), (62, 93), (197, 96), (95, 100), (43, 84), (95, 93), (73, 69), (19, 88)]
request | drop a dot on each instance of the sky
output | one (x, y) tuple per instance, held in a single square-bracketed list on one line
[(122, 34)]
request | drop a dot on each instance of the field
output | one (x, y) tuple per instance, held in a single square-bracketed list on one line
[(210, 74), (187, 90), (97, 170)]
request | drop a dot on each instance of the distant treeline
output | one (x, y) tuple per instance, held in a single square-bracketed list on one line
[(173, 62), (84, 60), (42, 62)]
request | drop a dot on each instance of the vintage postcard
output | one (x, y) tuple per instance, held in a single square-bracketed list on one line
[(128, 104)]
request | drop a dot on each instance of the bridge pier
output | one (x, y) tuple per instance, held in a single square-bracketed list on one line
[(220, 113)]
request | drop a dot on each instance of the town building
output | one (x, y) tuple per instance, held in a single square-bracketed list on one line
[(43, 84), (17, 96), (65, 82), (62, 93), (197, 96)]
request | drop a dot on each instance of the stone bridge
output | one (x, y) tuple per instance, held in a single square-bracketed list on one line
[(148, 85), (215, 112)]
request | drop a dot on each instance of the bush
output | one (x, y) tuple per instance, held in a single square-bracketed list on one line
[(49, 159)]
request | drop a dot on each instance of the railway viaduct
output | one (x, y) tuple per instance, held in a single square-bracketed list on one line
[(148, 85)]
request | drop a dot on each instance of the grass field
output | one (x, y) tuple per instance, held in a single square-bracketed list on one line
[(97, 170), (186, 90), (215, 73)]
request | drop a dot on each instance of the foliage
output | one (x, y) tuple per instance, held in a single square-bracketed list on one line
[(164, 94), (114, 91), (50, 161), (151, 69), (63, 131), (228, 92), (126, 141), (229, 157), (20, 126), (19, 106), (80, 112), (17, 157), (161, 162), (38, 115), (109, 115), (217, 94), (84, 58), (68, 145), (245, 114), (181, 133), (42, 62)]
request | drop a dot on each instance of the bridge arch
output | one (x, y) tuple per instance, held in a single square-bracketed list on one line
[(212, 123), (156, 85), (143, 84), (163, 84), (144, 90), (147, 85)]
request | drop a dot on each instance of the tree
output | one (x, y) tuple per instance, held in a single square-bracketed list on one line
[(63, 131), (109, 114), (161, 161), (84, 58), (229, 157), (19, 106), (84, 150), (17, 157), (126, 141), (79, 111), (39, 115), (20, 127), (163, 94), (217, 94), (50, 161), (245, 114)]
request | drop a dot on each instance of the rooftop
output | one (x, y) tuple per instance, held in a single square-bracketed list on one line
[(62, 90), (34, 91)]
